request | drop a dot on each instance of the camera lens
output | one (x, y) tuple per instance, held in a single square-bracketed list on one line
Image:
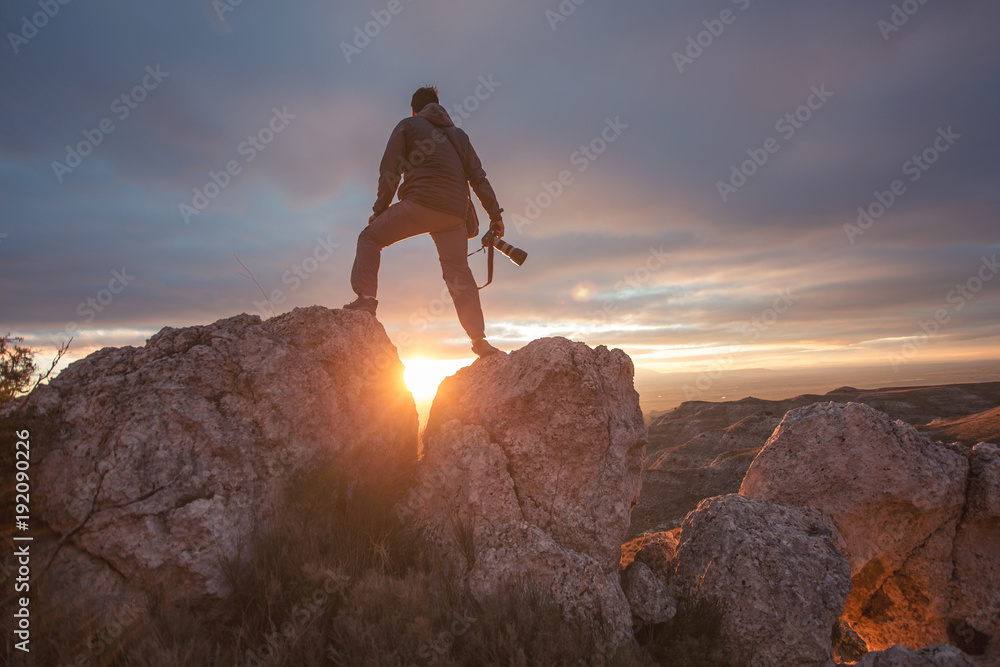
[(516, 255)]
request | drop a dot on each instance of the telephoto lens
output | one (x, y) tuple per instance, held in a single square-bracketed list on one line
[(516, 255)]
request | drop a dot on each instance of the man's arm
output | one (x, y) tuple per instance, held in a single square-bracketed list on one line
[(390, 169), (481, 185)]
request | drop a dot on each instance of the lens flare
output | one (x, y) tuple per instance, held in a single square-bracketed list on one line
[(584, 291)]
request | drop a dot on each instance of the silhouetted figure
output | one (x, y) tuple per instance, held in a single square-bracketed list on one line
[(437, 163)]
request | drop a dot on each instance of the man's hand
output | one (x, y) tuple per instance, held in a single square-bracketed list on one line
[(372, 218), (497, 225)]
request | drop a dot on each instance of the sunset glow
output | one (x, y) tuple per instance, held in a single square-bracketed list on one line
[(422, 376)]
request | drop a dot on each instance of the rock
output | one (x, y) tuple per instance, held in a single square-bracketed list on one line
[(532, 464), (895, 497), (848, 646), (773, 575), (656, 550), (648, 597), (974, 584), (941, 655), (163, 458), (984, 483)]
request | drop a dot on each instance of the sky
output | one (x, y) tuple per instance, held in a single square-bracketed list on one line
[(709, 186)]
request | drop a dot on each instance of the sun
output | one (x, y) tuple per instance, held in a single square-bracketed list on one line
[(422, 376)]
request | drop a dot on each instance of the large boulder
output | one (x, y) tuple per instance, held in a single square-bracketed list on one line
[(770, 577), (158, 463), (895, 497), (532, 465)]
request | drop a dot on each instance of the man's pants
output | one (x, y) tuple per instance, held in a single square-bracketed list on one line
[(405, 219)]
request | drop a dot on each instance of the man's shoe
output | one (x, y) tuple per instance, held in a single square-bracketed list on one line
[(482, 348), (365, 303)]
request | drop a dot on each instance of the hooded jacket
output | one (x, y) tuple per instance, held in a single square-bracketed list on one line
[(432, 169)]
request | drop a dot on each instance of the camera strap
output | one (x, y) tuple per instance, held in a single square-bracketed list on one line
[(489, 263)]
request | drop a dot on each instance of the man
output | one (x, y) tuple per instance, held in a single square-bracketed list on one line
[(438, 164)]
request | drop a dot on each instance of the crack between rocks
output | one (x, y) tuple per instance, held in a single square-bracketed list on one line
[(90, 513), (491, 435), (517, 494), (961, 519), (906, 561), (103, 560)]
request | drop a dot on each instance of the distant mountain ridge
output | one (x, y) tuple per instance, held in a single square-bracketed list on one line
[(703, 449)]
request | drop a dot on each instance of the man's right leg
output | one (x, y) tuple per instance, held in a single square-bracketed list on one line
[(395, 224), (453, 249)]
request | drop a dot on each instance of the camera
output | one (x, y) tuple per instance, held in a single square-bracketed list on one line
[(515, 255)]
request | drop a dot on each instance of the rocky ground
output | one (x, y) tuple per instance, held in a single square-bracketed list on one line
[(814, 531)]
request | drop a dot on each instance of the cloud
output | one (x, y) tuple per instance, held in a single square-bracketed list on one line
[(594, 141)]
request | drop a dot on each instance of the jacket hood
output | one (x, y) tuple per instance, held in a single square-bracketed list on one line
[(436, 114)]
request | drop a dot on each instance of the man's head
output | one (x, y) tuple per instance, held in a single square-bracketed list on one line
[(423, 97)]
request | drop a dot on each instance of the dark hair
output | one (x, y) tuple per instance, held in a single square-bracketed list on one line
[(423, 97)]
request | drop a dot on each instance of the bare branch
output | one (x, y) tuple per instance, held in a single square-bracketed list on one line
[(251, 277)]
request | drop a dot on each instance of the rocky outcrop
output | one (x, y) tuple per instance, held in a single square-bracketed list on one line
[(159, 462), (771, 577), (532, 464), (920, 530)]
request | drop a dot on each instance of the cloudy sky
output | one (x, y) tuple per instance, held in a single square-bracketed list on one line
[(686, 177)]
